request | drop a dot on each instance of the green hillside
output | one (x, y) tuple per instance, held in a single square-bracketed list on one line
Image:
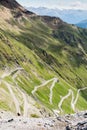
[(43, 63)]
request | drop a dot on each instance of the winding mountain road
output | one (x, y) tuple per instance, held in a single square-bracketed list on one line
[(62, 100), (17, 105), (43, 84), (25, 99), (74, 101), (51, 88), (6, 74), (9, 86), (15, 73), (26, 104)]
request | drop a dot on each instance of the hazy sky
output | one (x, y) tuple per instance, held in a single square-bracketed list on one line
[(68, 4)]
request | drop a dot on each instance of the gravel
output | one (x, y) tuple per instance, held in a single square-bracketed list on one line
[(77, 121)]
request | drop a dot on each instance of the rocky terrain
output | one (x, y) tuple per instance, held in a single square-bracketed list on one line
[(9, 121)]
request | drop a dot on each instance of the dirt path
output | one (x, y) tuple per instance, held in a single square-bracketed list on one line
[(17, 105), (26, 104), (43, 84), (62, 100), (51, 89), (15, 73), (25, 99), (74, 101), (6, 74)]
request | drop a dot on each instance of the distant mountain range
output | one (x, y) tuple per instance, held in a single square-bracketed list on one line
[(82, 24), (67, 15)]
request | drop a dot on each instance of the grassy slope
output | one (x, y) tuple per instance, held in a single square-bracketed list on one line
[(45, 53)]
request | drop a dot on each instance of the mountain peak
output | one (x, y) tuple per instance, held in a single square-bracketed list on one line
[(14, 5), (9, 3)]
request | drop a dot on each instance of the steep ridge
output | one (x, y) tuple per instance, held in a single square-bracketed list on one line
[(13, 5), (44, 47)]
